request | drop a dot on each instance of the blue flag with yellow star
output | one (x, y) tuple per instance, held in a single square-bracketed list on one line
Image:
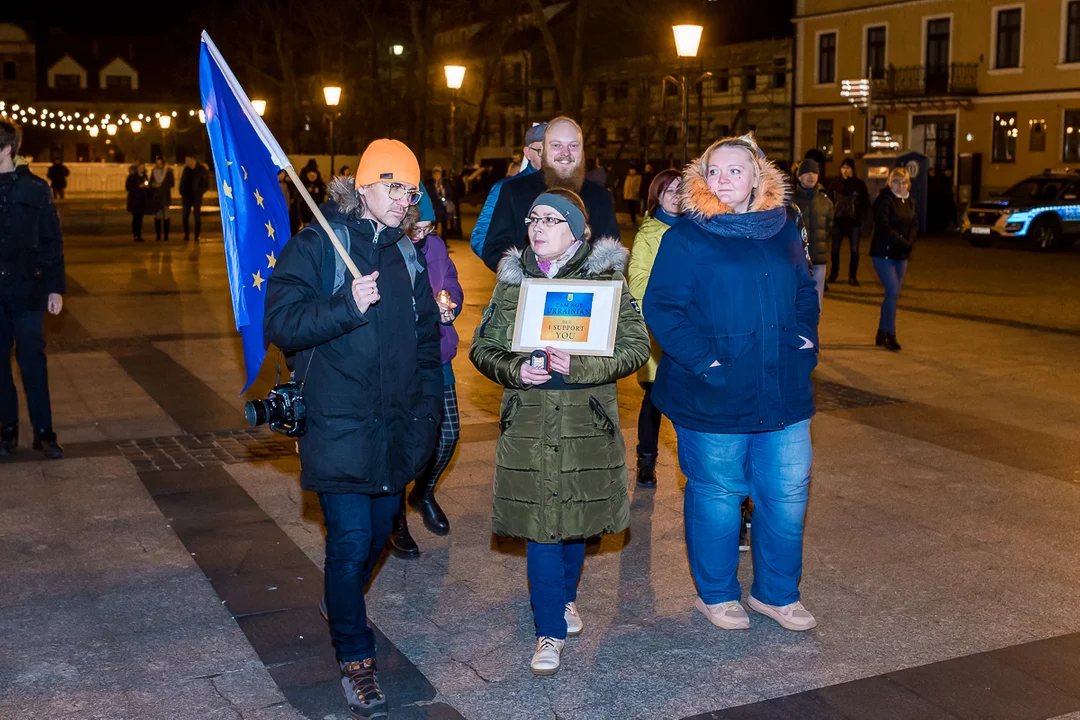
[(254, 214)]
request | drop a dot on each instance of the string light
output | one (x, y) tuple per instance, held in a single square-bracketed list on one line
[(77, 121)]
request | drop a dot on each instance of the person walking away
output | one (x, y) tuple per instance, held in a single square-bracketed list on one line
[(534, 145), (560, 462), (58, 175), (160, 197), (317, 189), (895, 227), (31, 282), (733, 305), (817, 214), (631, 190), (851, 201), (662, 211), (194, 182), (441, 192), (369, 350), (442, 275), (138, 189)]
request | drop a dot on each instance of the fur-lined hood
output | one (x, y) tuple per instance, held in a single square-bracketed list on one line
[(605, 256), (342, 192)]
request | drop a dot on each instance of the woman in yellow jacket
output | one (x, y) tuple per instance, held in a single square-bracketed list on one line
[(663, 212)]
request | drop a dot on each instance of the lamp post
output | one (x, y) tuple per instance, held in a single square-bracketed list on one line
[(332, 95), (687, 40), (260, 107), (455, 75)]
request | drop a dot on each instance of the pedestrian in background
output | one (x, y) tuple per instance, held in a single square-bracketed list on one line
[(817, 214), (345, 171), (733, 305), (58, 175), (160, 197), (851, 201), (442, 275), (631, 190), (895, 226), (560, 461), (315, 186), (662, 211), (32, 268), (288, 191), (194, 182), (534, 145), (647, 176), (441, 191), (138, 190)]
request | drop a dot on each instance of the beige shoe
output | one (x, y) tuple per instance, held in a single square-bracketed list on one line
[(547, 657), (727, 615), (791, 617), (574, 626)]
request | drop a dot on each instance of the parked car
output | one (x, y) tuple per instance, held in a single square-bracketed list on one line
[(1042, 211)]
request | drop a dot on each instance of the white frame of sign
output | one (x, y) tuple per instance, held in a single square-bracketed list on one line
[(603, 320)]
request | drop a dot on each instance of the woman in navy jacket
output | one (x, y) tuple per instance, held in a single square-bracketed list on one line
[(733, 304)]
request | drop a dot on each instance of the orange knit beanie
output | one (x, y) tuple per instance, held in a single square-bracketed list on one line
[(388, 160)]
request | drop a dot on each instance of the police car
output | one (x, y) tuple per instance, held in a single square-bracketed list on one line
[(1043, 211)]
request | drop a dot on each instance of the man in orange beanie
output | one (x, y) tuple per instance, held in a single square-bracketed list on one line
[(372, 389)]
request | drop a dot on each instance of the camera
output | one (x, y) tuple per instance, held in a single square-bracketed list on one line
[(283, 408)]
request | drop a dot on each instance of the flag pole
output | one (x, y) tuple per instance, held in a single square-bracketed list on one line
[(291, 171)]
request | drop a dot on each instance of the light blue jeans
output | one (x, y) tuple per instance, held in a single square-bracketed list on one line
[(819, 280), (773, 468)]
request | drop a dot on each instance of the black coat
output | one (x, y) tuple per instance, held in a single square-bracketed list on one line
[(508, 230), (31, 245), (375, 383), (851, 200), (817, 214), (138, 191), (317, 190), (58, 175), (193, 183), (895, 226)]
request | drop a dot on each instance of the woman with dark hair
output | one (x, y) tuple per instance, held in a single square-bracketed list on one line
[(895, 225), (661, 213), (138, 188), (560, 462), (733, 304)]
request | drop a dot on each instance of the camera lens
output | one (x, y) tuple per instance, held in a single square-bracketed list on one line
[(256, 412)]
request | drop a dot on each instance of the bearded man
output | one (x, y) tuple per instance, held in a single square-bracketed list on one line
[(562, 166)]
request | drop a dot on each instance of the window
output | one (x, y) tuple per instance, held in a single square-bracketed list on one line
[(601, 136), (1007, 54), (82, 152), (538, 99), (826, 58), (118, 82), (1072, 32), (723, 131), (1070, 141), (825, 138), (9, 70), (601, 93), (1037, 141), (1005, 134), (622, 91), (502, 130), (622, 134), (750, 83), (875, 51), (779, 73), (68, 82), (721, 83)]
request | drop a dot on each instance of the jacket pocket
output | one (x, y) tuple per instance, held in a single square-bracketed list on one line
[(601, 420), (341, 444), (509, 410), (419, 443)]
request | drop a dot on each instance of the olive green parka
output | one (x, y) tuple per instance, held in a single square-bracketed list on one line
[(560, 461)]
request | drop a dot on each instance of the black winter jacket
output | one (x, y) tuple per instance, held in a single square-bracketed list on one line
[(817, 214), (895, 225), (194, 183), (374, 386), (851, 199), (138, 191), (508, 230), (31, 245)]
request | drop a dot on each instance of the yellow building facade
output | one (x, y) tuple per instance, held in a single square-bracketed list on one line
[(993, 84)]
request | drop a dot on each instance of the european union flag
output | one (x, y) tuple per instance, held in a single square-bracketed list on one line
[(254, 215)]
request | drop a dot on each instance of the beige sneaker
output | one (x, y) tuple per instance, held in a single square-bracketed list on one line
[(574, 626), (547, 657), (791, 617), (727, 615)]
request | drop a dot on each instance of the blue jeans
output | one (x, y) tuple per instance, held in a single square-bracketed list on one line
[(357, 527), (773, 468), (891, 273), (819, 280), (554, 570)]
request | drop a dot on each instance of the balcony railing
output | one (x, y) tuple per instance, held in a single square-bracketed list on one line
[(926, 81)]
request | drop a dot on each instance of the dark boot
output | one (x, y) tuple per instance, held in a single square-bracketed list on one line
[(45, 443), (422, 499), (166, 229), (880, 339), (9, 439), (853, 282), (891, 344), (401, 543), (834, 273), (646, 470), (157, 229)]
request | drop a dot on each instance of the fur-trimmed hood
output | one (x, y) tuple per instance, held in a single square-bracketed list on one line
[(605, 256), (342, 192)]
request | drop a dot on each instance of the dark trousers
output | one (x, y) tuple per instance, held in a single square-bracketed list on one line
[(648, 424), (186, 207), (357, 527), (631, 207), (554, 570), (854, 233), (26, 331), (58, 193), (136, 224)]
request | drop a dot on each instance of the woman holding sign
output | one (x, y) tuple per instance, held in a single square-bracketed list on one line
[(733, 304), (560, 462)]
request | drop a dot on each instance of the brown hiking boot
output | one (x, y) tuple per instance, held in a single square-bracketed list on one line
[(362, 691)]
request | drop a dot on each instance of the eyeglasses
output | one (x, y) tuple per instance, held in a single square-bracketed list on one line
[(422, 232), (536, 148), (398, 191), (549, 221)]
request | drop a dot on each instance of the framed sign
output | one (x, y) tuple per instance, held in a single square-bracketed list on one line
[(578, 316)]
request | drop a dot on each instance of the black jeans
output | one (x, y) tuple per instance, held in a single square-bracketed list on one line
[(648, 424), (854, 232), (136, 224), (357, 527), (26, 330), (186, 207)]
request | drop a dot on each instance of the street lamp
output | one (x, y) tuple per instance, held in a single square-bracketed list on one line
[(687, 41), (136, 126), (165, 122), (455, 75), (260, 107), (94, 130), (111, 128), (332, 95)]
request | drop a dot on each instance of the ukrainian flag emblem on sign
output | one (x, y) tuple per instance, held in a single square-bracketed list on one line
[(566, 317)]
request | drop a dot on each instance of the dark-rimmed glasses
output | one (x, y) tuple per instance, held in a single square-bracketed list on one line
[(548, 222)]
